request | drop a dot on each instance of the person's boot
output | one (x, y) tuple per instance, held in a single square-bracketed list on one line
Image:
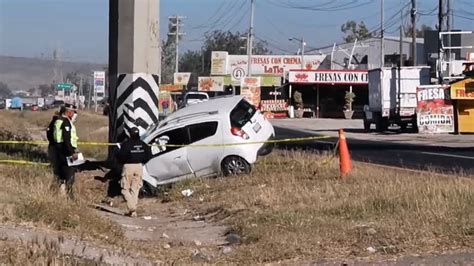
[(62, 190)]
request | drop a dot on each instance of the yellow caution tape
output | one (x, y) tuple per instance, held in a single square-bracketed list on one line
[(287, 140), (23, 162), (96, 144), (23, 142), (273, 141)]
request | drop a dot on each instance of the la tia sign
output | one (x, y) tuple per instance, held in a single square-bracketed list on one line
[(274, 65)]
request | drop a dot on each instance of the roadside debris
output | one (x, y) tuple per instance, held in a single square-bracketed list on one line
[(197, 256), (226, 250), (233, 239), (371, 231), (371, 250), (187, 192), (198, 218)]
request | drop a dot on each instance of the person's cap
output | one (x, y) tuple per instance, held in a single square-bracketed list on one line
[(134, 132), (62, 109), (70, 107)]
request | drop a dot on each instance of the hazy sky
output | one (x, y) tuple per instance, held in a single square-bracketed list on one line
[(34, 28)]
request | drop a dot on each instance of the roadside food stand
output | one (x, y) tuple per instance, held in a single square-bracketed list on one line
[(269, 70), (462, 94), (175, 91), (325, 89)]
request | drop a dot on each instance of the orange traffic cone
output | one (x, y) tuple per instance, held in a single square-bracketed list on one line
[(345, 162)]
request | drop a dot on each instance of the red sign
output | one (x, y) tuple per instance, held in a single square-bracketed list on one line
[(273, 106), (434, 114), (352, 77)]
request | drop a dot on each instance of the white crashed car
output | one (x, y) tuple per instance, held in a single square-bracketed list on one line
[(222, 120)]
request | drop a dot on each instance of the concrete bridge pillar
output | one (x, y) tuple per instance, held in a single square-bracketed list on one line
[(134, 66)]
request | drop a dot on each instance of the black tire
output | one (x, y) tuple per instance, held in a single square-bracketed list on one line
[(403, 127), (266, 149), (381, 125), (235, 165), (366, 126), (148, 191)]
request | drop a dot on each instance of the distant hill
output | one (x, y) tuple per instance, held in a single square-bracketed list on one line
[(21, 73)]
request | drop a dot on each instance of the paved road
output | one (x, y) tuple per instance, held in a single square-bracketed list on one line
[(422, 157)]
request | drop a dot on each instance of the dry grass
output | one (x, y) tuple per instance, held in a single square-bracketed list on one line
[(27, 125), (294, 206), (28, 195), (36, 253)]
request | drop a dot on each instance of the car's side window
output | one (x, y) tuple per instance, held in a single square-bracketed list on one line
[(201, 131), (177, 136)]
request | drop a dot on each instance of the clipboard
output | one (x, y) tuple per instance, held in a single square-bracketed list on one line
[(80, 160)]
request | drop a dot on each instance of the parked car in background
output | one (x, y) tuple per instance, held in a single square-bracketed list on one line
[(225, 120), (56, 104), (193, 97)]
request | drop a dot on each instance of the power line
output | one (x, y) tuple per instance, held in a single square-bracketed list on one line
[(218, 13), (393, 20), (272, 45), (244, 13), (218, 24), (242, 10), (460, 16), (428, 13), (340, 7)]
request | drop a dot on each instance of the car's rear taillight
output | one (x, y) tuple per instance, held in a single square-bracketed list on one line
[(239, 132)]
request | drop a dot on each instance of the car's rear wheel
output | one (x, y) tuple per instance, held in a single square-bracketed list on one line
[(235, 165)]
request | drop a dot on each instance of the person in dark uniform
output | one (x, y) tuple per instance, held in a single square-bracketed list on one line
[(65, 138), (52, 152), (132, 155)]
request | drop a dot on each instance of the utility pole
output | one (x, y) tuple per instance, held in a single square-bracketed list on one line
[(90, 94), (175, 21), (413, 31), (303, 44), (448, 28), (250, 40), (448, 16), (382, 32), (441, 28), (401, 39), (81, 92)]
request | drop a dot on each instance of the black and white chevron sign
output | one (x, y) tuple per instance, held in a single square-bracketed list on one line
[(136, 103)]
